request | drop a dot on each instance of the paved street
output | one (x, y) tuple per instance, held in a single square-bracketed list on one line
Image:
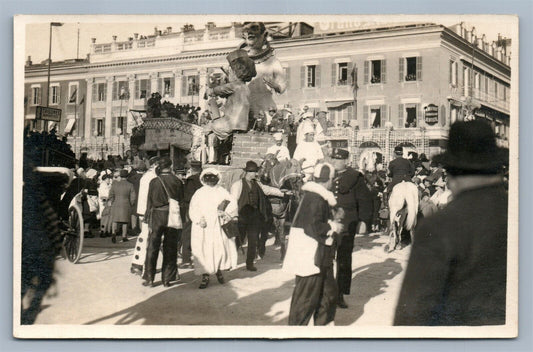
[(101, 290)]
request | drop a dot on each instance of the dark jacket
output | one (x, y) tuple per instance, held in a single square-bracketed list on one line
[(354, 197), (400, 169), (313, 217), (135, 179), (157, 196), (457, 269), (122, 197)]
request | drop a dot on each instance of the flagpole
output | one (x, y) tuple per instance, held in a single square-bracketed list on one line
[(78, 45)]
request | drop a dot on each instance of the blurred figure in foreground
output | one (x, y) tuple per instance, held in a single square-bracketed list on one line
[(457, 269)]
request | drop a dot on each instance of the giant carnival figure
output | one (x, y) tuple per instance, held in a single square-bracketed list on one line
[(270, 76), (235, 112)]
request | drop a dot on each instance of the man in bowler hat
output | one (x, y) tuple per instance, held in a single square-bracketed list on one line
[(457, 269), (354, 197)]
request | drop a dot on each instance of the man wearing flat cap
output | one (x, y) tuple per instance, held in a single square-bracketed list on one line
[(354, 198), (457, 269)]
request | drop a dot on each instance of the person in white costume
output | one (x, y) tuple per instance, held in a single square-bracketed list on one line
[(308, 152), (279, 150), (307, 122), (139, 254), (213, 251)]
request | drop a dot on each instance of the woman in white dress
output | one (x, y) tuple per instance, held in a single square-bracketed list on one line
[(213, 251)]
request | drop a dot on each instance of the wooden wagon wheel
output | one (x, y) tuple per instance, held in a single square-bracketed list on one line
[(73, 242)]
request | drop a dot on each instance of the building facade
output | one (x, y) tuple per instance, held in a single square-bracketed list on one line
[(397, 84)]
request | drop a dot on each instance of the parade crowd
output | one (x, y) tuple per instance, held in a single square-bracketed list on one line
[(335, 203)]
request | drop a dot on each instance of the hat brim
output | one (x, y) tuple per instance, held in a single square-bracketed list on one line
[(472, 163)]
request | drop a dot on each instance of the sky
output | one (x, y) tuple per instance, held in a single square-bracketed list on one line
[(64, 42)]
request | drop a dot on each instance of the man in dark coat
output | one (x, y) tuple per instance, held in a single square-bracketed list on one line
[(311, 252), (400, 169), (457, 270), (163, 187), (192, 184), (135, 179), (354, 197), (254, 210)]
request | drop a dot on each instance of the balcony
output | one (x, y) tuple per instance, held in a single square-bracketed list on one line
[(489, 99)]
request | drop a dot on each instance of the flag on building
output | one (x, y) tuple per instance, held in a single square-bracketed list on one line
[(73, 96)]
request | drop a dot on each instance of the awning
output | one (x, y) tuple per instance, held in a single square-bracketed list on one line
[(338, 103), (70, 124)]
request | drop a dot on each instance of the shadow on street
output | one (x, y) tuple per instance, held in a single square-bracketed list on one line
[(369, 281)]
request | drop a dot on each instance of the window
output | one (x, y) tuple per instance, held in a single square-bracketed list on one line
[(36, 95), (486, 85), (341, 114), (287, 74), (142, 88), (410, 69), (496, 90), (375, 71), (166, 86), (99, 127), (453, 114), (409, 115), (374, 116), (342, 74), (476, 84), (72, 93), (311, 76), (193, 86), (453, 73), (54, 95), (120, 90), (99, 91)]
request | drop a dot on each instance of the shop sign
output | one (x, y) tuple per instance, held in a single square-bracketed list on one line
[(431, 114), (46, 113)]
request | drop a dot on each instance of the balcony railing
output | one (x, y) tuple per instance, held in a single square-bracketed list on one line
[(483, 96)]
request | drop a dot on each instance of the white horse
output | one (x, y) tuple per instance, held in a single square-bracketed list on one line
[(403, 210)]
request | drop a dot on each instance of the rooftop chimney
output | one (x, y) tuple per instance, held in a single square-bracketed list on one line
[(29, 62), (169, 29), (93, 40), (155, 31), (136, 36)]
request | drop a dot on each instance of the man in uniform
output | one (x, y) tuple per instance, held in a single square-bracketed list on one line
[(354, 198), (400, 169)]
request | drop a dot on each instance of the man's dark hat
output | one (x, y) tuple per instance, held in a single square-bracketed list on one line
[(124, 173), (338, 153), (398, 149), (423, 158), (165, 162), (472, 147), (251, 166)]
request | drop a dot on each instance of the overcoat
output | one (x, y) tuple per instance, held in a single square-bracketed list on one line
[(400, 169), (122, 197), (457, 270), (354, 197)]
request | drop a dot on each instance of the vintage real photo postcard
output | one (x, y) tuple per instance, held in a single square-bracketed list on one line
[(257, 176)]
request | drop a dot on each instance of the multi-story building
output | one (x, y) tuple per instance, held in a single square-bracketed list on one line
[(394, 84)]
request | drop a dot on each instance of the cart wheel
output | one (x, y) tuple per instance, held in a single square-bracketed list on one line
[(73, 242)]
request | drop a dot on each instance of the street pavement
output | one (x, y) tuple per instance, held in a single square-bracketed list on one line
[(100, 289)]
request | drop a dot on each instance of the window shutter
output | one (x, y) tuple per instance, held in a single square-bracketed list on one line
[(288, 76), (383, 112), (103, 127), (317, 76), (367, 69), (419, 68), (383, 71), (124, 124), (351, 73), (148, 88), (400, 116), (184, 91), (365, 116), (450, 80), (113, 125), (160, 86), (350, 112), (401, 69), (137, 89), (334, 74), (105, 91), (172, 83), (93, 126), (95, 92), (418, 115), (302, 76), (58, 95)]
